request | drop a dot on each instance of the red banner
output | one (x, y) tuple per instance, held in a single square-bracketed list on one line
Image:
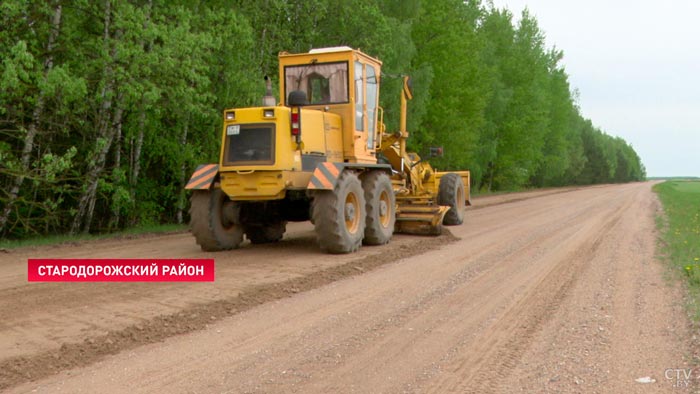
[(120, 270)]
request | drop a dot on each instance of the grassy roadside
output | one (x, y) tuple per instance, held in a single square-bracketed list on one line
[(60, 239), (680, 232)]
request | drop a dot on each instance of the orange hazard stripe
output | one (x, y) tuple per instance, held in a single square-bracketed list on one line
[(202, 177), (203, 184), (325, 182), (202, 169), (332, 169), (324, 177)]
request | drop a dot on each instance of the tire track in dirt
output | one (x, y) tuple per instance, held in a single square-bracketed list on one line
[(52, 305), (491, 313), (16, 370), (31, 367), (488, 362), (43, 316), (620, 321), (423, 311), (382, 338)]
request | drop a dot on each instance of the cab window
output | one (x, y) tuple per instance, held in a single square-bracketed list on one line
[(359, 98), (372, 104), (323, 83)]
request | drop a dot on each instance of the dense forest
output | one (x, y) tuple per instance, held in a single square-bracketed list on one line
[(107, 106)]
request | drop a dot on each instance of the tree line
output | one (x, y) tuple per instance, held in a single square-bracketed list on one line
[(107, 106)]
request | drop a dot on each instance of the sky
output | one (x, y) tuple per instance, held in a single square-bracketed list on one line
[(636, 66)]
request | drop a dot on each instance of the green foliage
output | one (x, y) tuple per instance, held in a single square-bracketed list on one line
[(106, 107), (446, 41)]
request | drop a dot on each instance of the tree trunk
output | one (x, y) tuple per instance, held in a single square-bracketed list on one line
[(136, 150), (104, 142), (36, 120), (105, 135), (100, 165), (114, 221), (182, 198)]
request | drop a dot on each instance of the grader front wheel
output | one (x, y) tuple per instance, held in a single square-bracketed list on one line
[(451, 193), (213, 220), (339, 215)]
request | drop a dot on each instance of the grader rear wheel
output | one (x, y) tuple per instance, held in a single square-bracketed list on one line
[(451, 193), (213, 220), (339, 215), (380, 205)]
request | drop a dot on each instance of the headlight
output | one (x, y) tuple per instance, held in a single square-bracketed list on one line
[(230, 115)]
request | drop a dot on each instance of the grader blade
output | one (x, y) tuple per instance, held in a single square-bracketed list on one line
[(420, 218)]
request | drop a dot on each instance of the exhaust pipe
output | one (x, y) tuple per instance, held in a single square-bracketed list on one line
[(268, 100)]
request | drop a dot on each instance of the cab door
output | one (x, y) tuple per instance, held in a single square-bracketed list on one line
[(366, 102)]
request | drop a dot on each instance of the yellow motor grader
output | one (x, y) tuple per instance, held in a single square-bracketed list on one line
[(321, 154)]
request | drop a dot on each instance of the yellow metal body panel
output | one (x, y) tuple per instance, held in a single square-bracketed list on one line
[(358, 146), (328, 142), (321, 137), (284, 142), (262, 185)]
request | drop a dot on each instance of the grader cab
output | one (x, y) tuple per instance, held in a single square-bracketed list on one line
[(321, 154)]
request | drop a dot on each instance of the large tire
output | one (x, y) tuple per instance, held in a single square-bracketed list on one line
[(266, 234), (213, 220), (339, 215), (451, 193), (380, 204)]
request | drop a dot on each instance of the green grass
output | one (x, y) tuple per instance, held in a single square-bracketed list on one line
[(673, 178), (680, 230), (61, 239)]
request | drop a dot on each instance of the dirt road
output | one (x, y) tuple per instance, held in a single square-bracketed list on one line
[(554, 292)]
